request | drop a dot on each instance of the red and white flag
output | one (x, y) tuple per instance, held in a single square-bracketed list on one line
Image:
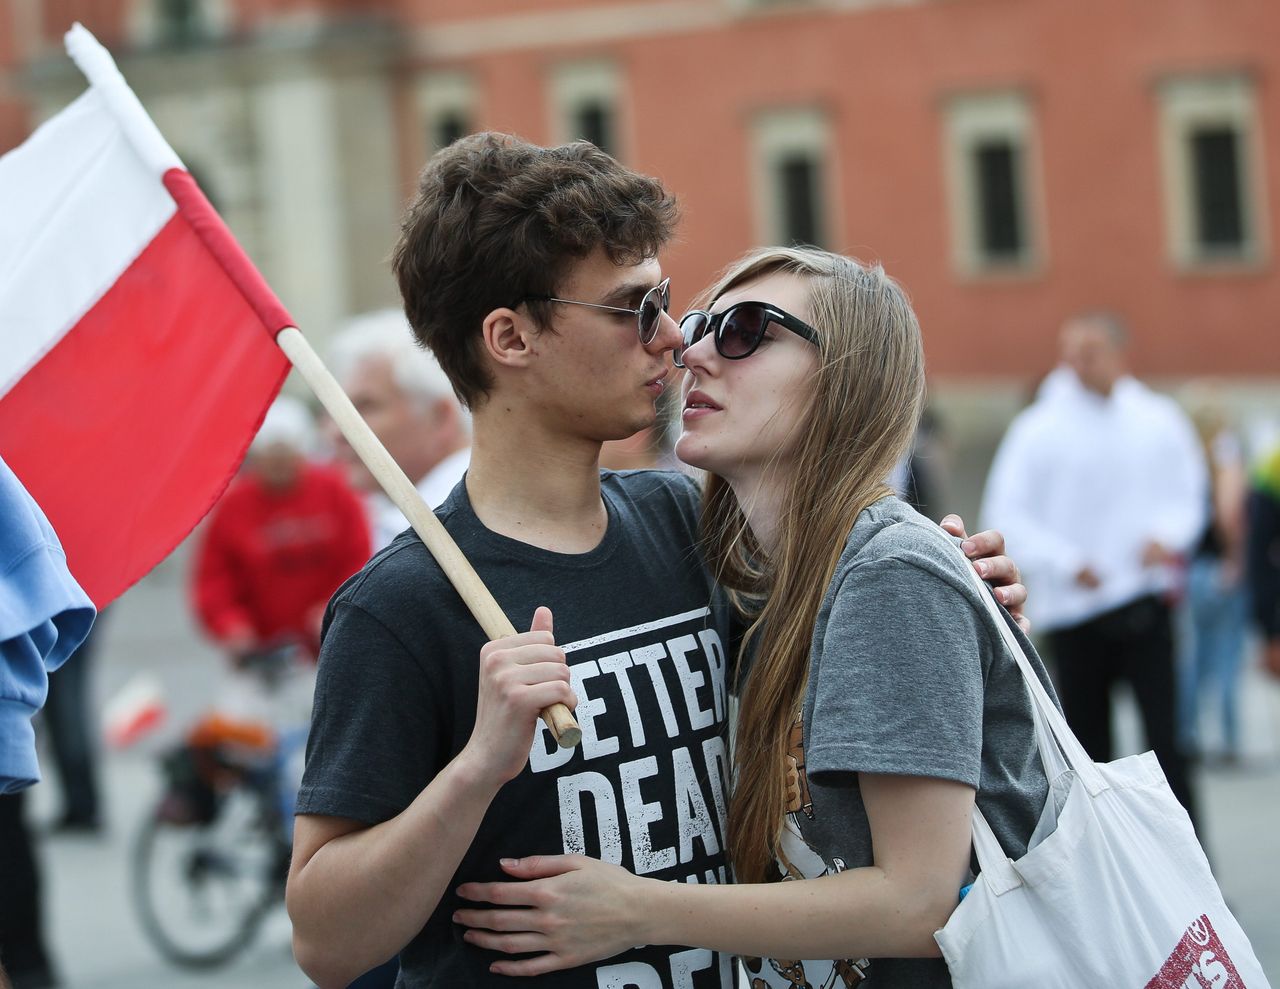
[(136, 711), (137, 341)]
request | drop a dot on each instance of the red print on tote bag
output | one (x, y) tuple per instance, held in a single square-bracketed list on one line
[(1198, 962)]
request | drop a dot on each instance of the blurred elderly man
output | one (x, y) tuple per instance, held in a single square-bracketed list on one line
[(278, 544), (1100, 487), (409, 404)]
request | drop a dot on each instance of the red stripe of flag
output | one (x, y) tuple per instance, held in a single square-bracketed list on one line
[(130, 428)]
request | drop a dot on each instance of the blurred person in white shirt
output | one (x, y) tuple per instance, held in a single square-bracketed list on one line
[(409, 404), (1101, 489)]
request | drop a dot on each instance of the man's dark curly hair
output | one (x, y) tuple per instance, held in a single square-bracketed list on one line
[(497, 221)]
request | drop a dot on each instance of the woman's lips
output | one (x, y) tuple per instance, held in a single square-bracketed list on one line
[(698, 404)]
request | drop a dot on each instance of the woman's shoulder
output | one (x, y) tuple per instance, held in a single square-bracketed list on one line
[(890, 534), (901, 570)]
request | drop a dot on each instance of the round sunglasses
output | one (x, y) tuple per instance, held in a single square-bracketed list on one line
[(656, 301), (738, 330)]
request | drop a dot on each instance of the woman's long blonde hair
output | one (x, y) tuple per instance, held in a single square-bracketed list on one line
[(863, 406)]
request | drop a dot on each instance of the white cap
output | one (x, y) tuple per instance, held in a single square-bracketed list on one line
[(289, 423)]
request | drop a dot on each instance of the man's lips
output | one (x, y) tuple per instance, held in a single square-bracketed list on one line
[(658, 383)]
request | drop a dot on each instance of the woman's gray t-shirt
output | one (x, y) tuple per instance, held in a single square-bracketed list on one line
[(907, 676)]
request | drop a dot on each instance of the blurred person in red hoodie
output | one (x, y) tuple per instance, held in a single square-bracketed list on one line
[(285, 535)]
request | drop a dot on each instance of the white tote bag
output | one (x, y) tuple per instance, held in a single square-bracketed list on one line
[(1114, 892)]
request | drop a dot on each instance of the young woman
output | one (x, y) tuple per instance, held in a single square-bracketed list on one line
[(879, 700)]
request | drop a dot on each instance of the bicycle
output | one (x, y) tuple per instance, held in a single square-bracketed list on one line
[(212, 856)]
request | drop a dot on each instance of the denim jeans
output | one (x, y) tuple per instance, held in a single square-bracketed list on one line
[(1211, 672)]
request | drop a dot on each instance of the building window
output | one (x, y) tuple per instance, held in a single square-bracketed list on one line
[(1219, 210), (798, 180), (595, 124), (585, 98), (177, 23), (450, 126), (791, 151), (1000, 222), (446, 107), (989, 150), (1210, 149)]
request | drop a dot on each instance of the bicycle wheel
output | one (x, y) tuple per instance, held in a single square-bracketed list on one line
[(201, 889)]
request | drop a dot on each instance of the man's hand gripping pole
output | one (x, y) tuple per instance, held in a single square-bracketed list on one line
[(406, 498)]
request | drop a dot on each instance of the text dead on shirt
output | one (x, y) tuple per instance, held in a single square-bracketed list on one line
[(670, 688)]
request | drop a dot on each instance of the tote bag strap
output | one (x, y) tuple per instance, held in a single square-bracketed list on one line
[(993, 864), (1001, 874), (1052, 758), (1045, 709)]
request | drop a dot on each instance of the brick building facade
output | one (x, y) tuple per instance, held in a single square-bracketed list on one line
[(1011, 161)]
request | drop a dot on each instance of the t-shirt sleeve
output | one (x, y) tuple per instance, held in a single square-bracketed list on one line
[(898, 681), (377, 727)]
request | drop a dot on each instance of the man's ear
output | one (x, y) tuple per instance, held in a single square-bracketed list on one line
[(508, 338)]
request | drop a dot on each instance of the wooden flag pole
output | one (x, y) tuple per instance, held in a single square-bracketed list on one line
[(401, 491)]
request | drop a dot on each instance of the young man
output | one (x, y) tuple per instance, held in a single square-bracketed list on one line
[(532, 275)]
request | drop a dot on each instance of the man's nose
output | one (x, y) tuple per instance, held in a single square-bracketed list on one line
[(668, 336)]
